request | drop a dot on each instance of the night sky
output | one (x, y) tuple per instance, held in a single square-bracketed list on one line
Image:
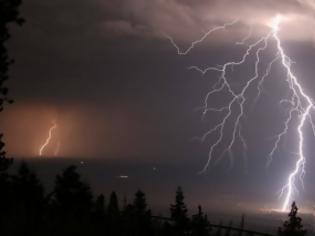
[(106, 73)]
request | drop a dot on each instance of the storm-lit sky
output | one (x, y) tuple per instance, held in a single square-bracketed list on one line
[(106, 73)]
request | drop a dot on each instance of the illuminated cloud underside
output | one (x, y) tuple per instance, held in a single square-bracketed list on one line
[(149, 19)]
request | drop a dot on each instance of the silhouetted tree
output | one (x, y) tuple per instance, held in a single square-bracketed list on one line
[(5, 162), (8, 14), (242, 223), (136, 217), (70, 193), (5, 189), (140, 203), (72, 203), (98, 216), (113, 215), (179, 213), (99, 208), (142, 214), (113, 206), (200, 225), (28, 201), (128, 220), (293, 226)]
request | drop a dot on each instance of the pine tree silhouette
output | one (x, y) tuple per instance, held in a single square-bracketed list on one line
[(113, 215), (99, 216), (72, 204), (140, 203), (179, 213), (99, 208), (142, 214), (5, 162), (293, 226), (113, 206), (28, 201), (200, 224), (70, 193), (8, 14), (242, 223)]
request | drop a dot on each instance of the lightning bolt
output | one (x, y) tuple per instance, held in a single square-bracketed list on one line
[(48, 139), (198, 41), (299, 103), (304, 111)]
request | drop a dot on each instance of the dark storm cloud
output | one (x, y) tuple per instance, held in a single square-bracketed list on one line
[(186, 19), (66, 61), (109, 55)]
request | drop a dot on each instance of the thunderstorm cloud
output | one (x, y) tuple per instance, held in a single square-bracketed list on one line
[(186, 20), (106, 73)]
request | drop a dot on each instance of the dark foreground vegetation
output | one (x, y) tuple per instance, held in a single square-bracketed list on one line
[(71, 209)]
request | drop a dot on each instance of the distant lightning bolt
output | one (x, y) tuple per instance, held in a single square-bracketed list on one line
[(48, 139), (233, 112)]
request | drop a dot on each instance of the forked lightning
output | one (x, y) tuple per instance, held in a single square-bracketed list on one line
[(300, 104)]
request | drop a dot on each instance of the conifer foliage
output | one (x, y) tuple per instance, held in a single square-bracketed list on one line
[(293, 226)]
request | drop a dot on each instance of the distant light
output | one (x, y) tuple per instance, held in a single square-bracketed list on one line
[(82, 162), (123, 176), (271, 210)]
